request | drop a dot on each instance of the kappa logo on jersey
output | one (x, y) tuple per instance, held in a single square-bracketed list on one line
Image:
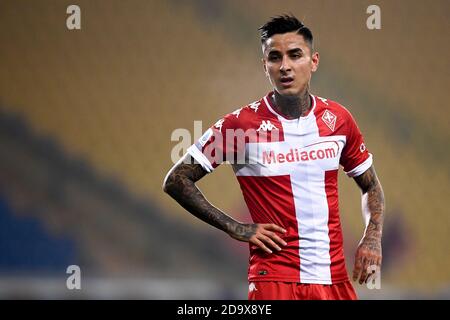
[(237, 112), (266, 126), (254, 105), (219, 124), (329, 119), (323, 100)]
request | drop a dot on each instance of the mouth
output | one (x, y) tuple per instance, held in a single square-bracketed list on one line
[(287, 81)]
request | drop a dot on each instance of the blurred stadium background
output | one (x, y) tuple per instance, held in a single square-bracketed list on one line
[(86, 118)]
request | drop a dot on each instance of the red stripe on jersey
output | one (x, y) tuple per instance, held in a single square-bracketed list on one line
[(338, 271), (337, 268), (280, 211)]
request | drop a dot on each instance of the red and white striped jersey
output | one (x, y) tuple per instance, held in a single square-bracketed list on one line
[(288, 173)]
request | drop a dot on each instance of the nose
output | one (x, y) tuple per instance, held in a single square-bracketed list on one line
[(285, 65)]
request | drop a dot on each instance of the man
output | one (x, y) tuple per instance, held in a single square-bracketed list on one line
[(290, 153)]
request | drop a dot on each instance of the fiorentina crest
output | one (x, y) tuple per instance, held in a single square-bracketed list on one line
[(329, 119)]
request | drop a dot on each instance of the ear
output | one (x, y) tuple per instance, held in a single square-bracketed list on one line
[(263, 60), (315, 61)]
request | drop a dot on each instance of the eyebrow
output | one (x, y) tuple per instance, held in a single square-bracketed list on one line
[(291, 51), (295, 50)]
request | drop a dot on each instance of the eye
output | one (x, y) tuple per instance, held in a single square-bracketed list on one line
[(273, 58)]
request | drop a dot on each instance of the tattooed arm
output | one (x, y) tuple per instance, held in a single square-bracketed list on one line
[(369, 249), (180, 185)]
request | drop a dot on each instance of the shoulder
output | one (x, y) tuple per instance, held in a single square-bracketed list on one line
[(335, 116), (242, 117), (324, 104)]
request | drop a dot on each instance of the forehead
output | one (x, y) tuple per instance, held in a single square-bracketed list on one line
[(284, 42)]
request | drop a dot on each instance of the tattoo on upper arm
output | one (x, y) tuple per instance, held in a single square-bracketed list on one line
[(191, 171), (367, 180), (182, 177)]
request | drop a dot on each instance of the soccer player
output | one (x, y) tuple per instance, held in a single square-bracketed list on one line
[(286, 149)]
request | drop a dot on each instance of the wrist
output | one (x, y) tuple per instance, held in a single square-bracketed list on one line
[(233, 228), (373, 236)]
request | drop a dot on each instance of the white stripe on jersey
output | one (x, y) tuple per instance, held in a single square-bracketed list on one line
[(311, 208), (311, 205)]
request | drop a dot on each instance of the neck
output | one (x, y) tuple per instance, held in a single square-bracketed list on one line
[(293, 107)]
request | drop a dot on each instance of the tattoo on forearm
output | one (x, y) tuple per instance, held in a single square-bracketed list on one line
[(180, 185), (371, 186)]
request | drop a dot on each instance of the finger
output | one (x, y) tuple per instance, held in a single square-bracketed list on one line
[(357, 268), (365, 266), (274, 237), (261, 245), (269, 242), (274, 227)]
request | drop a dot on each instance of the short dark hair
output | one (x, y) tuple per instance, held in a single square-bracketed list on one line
[(284, 24)]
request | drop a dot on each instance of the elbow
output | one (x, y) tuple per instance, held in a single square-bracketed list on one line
[(164, 188), (172, 184), (167, 183)]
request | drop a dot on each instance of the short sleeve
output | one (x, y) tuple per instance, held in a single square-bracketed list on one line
[(355, 157), (212, 148)]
